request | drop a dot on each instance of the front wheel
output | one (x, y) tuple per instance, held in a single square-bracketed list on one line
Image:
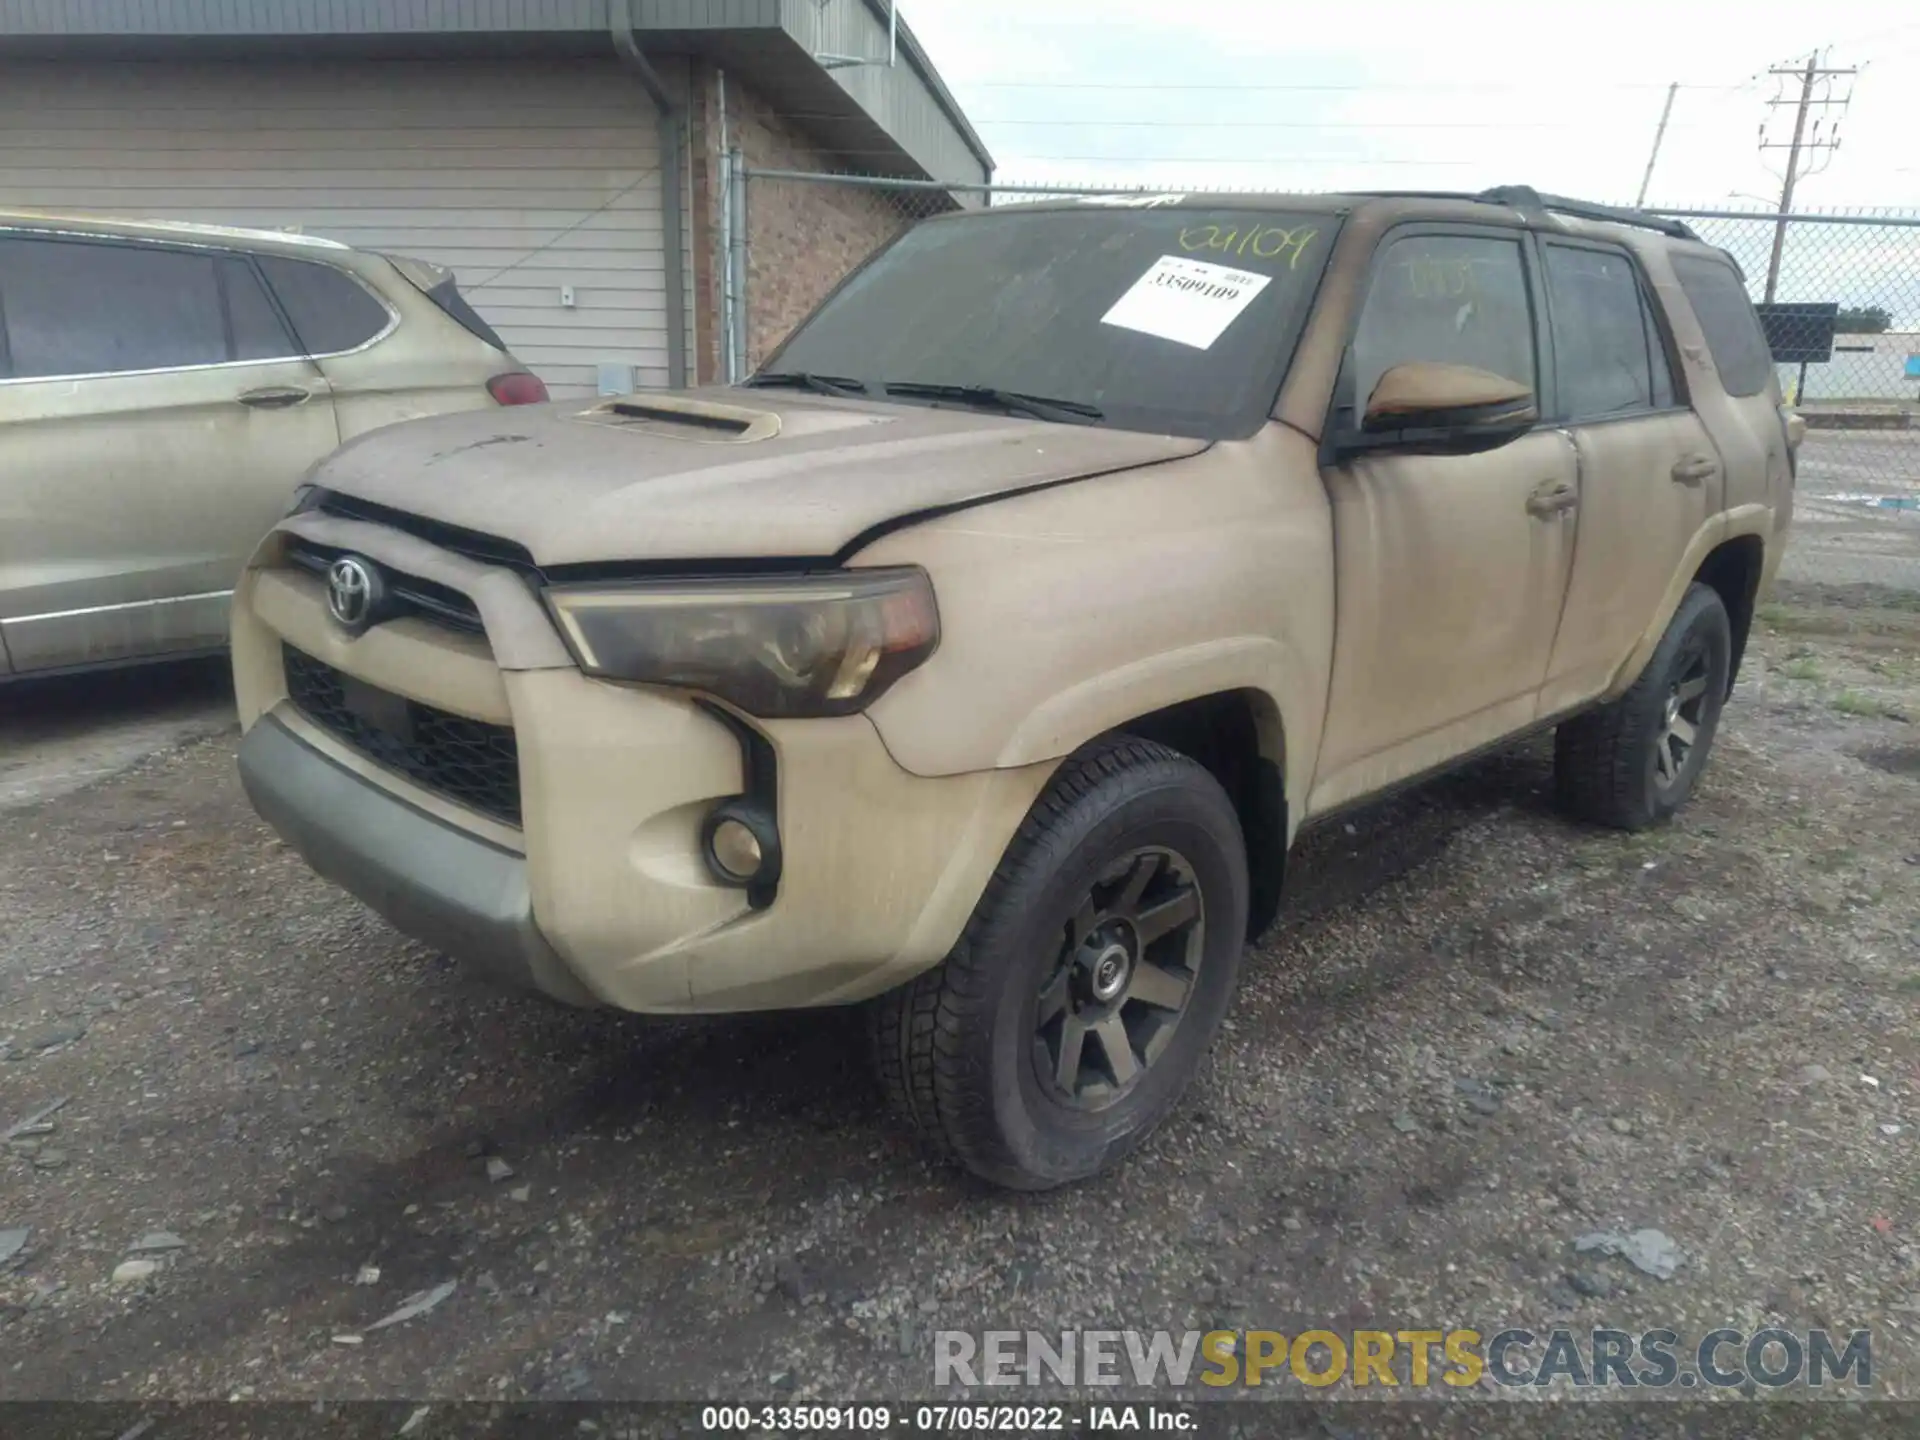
[(1634, 762), (1089, 983)]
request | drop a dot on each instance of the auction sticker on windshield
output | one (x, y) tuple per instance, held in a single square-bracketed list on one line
[(1188, 301)]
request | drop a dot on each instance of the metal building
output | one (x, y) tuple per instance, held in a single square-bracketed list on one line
[(562, 156)]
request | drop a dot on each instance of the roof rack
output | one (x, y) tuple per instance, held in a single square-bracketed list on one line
[(1412, 194), (1525, 197)]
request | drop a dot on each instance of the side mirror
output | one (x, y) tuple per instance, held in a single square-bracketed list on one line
[(1433, 409)]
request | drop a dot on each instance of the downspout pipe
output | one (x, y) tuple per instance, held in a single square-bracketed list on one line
[(673, 220)]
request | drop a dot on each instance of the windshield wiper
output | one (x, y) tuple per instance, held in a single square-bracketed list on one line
[(805, 380), (1040, 407)]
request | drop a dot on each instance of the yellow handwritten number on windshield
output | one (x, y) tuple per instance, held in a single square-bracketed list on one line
[(1269, 243)]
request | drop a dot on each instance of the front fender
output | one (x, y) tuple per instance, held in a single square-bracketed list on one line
[(1267, 668), (1068, 613)]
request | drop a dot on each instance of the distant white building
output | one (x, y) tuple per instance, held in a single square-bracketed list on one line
[(1882, 367)]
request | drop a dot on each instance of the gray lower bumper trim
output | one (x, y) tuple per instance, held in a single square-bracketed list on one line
[(432, 881)]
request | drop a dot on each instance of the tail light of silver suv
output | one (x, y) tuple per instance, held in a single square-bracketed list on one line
[(517, 387)]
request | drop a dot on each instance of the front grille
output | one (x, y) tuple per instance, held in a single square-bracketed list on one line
[(411, 594), (487, 549), (470, 761)]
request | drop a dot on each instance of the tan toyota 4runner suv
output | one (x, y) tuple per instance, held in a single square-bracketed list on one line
[(982, 655)]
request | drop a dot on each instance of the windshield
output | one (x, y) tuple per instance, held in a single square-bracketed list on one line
[(1173, 320)]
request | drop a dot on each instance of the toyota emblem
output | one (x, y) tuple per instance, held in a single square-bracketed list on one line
[(354, 592)]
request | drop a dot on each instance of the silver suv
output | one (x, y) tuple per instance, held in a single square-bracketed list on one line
[(163, 388)]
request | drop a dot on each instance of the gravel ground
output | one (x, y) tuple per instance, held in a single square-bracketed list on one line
[(57, 736), (1479, 1032)]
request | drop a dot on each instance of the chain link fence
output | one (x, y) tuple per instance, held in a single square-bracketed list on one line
[(1840, 293)]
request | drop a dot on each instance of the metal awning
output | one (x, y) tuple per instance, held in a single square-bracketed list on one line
[(890, 119)]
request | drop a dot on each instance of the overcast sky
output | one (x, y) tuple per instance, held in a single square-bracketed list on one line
[(1373, 94)]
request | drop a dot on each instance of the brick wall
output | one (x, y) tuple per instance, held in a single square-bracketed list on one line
[(704, 199), (801, 238)]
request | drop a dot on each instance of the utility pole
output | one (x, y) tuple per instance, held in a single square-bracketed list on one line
[(1658, 135), (1809, 75)]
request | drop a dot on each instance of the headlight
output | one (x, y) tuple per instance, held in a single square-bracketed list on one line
[(776, 647)]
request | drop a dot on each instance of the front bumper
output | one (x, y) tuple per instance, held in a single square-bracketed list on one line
[(434, 881), (602, 894)]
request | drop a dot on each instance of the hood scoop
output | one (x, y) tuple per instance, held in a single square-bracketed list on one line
[(675, 417)]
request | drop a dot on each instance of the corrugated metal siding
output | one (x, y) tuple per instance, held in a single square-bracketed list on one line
[(706, 14), (911, 106), (896, 96), (295, 17), (522, 177)]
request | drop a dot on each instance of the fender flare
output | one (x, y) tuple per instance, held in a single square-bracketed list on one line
[(1742, 520), (1263, 666)]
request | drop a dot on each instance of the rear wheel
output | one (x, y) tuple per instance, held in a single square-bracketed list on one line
[(1634, 762), (1089, 983)]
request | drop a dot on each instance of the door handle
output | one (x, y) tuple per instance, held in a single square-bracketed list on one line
[(1694, 469), (274, 397), (1551, 499)]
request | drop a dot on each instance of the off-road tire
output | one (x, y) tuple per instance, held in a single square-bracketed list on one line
[(1605, 761), (955, 1047)]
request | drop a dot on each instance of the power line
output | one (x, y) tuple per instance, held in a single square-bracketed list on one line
[(1383, 86), (1809, 75), (581, 223), (1869, 38), (1251, 161), (1598, 122)]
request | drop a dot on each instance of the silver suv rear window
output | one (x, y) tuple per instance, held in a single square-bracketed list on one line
[(331, 312)]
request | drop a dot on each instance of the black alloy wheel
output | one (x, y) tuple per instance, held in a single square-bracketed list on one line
[(1087, 988), (1119, 988)]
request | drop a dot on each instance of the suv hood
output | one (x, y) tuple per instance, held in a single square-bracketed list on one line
[(713, 473)]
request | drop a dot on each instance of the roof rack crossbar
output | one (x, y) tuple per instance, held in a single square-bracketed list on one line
[(1525, 197)]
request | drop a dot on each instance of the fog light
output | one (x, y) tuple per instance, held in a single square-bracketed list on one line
[(735, 849), (741, 845)]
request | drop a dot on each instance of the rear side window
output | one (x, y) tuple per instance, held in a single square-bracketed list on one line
[(1604, 346), (1726, 316), (258, 333), (330, 310), (85, 308)]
